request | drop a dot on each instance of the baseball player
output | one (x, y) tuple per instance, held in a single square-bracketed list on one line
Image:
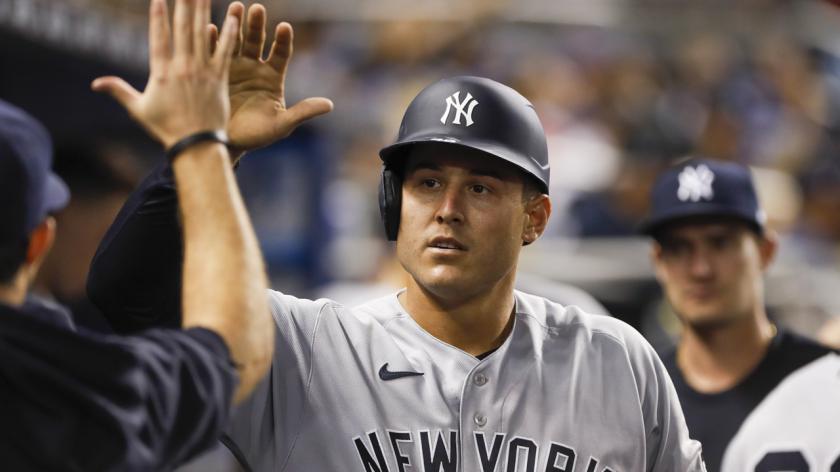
[(457, 371), (758, 398), (82, 401)]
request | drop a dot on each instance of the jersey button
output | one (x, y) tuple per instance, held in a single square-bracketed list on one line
[(480, 379), (480, 420)]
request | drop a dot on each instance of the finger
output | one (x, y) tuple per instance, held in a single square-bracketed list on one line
[(281, 48), (254, 32), (237, 9), (227, 41), (160, 40), (212, 37), (200, 19), (183, 26), (117, 88), (308, 108)]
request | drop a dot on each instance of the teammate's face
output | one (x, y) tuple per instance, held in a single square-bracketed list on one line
[(463, 220), (711, 271)]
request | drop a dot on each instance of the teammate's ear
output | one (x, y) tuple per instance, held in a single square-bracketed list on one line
[(537, 213), (40, 242), (656, 260), (768, 246)]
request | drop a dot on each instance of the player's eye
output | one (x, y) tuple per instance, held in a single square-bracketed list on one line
[(721, 242), (479, 189), (430, 183), (675, 248)]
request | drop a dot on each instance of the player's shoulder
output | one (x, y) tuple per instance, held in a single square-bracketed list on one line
[(572, 321), (804, 401), (283, 302), (791, 351), (380, 308)]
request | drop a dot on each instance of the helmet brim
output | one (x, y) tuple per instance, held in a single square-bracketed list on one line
[(391, 154)]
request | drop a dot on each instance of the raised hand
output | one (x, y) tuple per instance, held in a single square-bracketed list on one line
[(259, 115), (187, 88)]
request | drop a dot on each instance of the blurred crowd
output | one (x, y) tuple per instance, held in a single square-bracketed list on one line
[(617, 109)]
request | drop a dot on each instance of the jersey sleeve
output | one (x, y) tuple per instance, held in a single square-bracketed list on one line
[(81, 401), (265, 426), (135, 275), (668, 445)]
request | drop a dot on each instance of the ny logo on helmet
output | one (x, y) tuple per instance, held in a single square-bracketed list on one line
[(696, 183), (464, 108)]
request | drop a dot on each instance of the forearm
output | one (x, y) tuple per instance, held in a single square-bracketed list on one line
[(221, 250), (135, 276)]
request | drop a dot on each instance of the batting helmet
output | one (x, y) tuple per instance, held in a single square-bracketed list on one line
[(471, 112)]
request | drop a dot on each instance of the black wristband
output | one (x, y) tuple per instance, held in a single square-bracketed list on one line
[(218, 136)]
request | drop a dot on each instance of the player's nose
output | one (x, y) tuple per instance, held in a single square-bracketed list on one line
[(700, 265), (449, 209)]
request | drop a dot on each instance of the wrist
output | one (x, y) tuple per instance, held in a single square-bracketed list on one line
[(189, 141)]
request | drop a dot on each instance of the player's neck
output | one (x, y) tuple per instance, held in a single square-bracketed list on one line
[(475, 324), (13, 293), (716, 359)]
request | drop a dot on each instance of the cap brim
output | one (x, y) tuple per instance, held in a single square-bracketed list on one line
[(57, 194), (653, 225)]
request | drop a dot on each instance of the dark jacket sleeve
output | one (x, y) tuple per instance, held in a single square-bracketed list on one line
[(135, 276), (84, 401)]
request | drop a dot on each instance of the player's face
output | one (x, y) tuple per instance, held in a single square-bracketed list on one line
[(462, 222), (711, 271)]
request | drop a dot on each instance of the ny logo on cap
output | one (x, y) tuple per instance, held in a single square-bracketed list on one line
[(696, 183), (454, 101)]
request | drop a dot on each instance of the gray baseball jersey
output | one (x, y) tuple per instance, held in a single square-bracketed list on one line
[(367, 389), (796, 427)]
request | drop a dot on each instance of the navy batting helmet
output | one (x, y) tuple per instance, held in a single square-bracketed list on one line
[(472, 112)]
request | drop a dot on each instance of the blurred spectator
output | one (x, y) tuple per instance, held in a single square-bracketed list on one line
[(816, 236)]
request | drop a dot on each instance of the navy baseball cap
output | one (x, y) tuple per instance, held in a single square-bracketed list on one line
[(28, 188), (704, 187)]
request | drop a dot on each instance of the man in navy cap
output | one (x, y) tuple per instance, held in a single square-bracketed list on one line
[(29, 192), (81, 401), (757, 398)]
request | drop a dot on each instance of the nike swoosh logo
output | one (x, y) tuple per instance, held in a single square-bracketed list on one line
[(543, 167), (386, 374)]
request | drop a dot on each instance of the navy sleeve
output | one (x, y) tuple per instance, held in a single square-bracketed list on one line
[(135, 276), (84, 401)]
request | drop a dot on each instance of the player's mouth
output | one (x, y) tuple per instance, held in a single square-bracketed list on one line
[(702, 295), (445, 244)]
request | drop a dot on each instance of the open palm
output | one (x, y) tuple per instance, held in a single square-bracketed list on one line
[(258, 112)]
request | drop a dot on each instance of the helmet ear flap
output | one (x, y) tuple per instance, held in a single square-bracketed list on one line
[(390, 201)]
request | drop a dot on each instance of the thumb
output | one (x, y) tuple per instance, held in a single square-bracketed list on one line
[(309, 108), (117, 88)]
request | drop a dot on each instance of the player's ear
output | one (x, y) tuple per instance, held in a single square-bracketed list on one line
[(41, 240), (768, 246), (537, 212), (656, 259)]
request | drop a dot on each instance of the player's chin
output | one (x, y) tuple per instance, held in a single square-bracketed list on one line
[(705, 317), (445, 279), (444, 275)]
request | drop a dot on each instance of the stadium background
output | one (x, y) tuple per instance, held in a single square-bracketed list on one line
[(623, 89)]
